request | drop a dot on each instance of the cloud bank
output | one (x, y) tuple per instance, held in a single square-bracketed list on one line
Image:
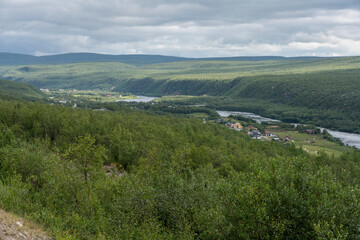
[(197, 28)]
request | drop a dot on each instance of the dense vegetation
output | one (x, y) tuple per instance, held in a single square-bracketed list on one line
[(126, 174), (14, 90), (322, 91), (332, 119)]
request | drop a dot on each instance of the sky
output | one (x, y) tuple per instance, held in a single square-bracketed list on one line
[(188, 28)]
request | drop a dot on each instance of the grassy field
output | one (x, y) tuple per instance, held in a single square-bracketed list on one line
[(87, 95), (313, 143)]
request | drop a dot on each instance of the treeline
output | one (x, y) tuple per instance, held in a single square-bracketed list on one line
[(324, 91), (20, 91), (332, 119), (129, 175)]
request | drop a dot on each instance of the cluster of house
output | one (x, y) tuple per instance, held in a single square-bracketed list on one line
[(254, 133)]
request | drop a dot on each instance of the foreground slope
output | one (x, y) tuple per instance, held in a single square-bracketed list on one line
[(15, 228), (124, 174)]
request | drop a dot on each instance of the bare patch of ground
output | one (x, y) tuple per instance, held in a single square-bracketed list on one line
[(15, 228)]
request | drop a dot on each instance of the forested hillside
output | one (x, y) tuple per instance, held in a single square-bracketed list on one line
[(86, 174), (314, 88), (14, 90)]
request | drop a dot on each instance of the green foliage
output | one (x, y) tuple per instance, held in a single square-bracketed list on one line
[(328, 118), (14, 90), (83, 166), (322, 91), (170, 178)]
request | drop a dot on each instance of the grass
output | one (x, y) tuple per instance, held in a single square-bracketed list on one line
[(198, 115), (89, 95), (313, 143)]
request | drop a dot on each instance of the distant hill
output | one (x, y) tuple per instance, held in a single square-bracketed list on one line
[(21, 59), (15, 90), (137, 60)]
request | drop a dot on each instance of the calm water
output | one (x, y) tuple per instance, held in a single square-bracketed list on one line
[(350, 139), (138, 99), (257, 118)]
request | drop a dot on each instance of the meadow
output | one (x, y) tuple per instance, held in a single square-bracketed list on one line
[(312, 143)]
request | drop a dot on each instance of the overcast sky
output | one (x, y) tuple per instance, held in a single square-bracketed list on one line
[(190, 28)]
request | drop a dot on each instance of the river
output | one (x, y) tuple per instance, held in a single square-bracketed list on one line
[(138, 99), (257, 118), (350, 139)]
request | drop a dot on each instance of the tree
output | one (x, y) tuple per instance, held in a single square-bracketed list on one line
[(83, 166)]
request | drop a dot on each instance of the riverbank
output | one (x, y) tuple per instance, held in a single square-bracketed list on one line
[(350, 139)]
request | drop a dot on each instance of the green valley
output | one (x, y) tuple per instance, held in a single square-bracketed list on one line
[(83, 166), (321, 91)]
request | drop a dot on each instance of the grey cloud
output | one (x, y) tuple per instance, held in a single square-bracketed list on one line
[(193, 28)]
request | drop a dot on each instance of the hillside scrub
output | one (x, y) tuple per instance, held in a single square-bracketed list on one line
[(170, 178)]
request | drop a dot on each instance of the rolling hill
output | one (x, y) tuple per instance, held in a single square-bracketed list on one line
[(15, 90), (315, 85), (324, 83), (134, 59)]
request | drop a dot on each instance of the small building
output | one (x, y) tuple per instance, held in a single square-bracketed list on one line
[(236, 126), (255, 134), (310, 131), (269, 134)]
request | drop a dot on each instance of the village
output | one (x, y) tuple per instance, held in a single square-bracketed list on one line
[(267, 132)]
